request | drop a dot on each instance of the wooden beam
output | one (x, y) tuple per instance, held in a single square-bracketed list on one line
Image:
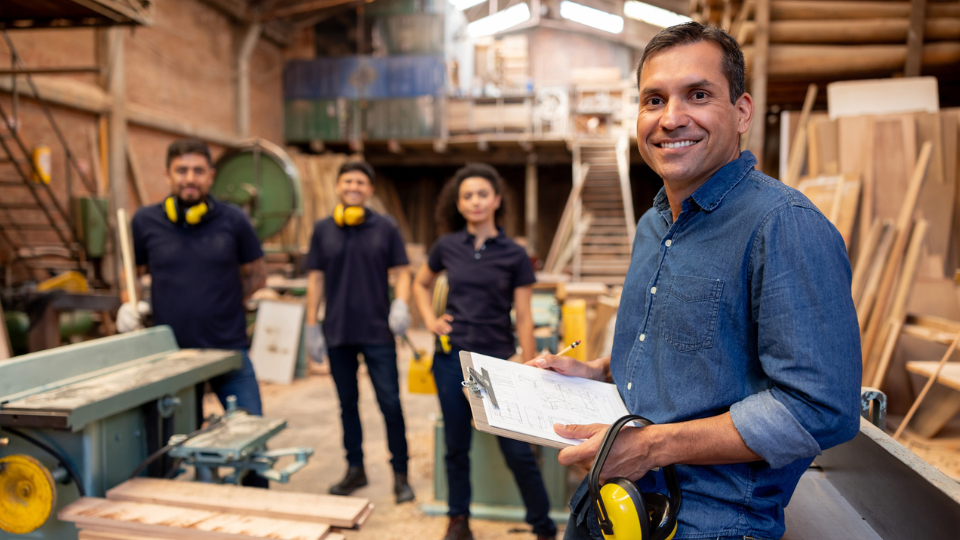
[(530, 208), (242, 82), (918, 15), (783, 10), (794, 62), (758, 90), (863, 31), (147, 117), (65, 92), (304, 7), (117, 130)]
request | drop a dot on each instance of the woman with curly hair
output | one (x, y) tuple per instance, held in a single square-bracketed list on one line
[(488, 274)]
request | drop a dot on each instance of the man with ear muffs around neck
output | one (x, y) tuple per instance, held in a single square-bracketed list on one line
[(351, 255), (205, 260)]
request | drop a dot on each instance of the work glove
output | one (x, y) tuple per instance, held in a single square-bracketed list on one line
[(316, 345), (399, 319), (130, 316)]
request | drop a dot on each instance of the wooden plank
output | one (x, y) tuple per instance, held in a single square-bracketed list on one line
[(918, 17), (605, 310), (949, 376), (945, 402), (865, 258), (882, 96), (143, 194), (341, 512), (178, 522), (798, 147), (852, 133), (937, 410), (879, 313), (6, 351), (936, 200), (873, 276), (837, 197), (890, 486), (894, 151), (758, 89), (950, 131)]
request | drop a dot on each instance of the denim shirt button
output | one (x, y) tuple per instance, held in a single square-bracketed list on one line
[(668, 243), (630, 386), (643, 337), (653, 290)]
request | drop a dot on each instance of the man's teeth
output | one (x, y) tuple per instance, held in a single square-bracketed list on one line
[(677, 144)]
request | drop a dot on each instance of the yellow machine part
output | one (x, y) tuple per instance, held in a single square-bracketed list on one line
[(70, 281), (27, 494)]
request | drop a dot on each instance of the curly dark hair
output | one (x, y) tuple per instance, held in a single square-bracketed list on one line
[(448, 216), (694, 32)]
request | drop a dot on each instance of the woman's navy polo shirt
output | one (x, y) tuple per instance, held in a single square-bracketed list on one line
[(195, 273), (355, 261), (482, 282)]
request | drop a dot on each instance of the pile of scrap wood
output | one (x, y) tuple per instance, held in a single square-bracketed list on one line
[(145, 508), (889, 184), (318, 180)]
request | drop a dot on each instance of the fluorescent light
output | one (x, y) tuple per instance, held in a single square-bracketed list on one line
[(464, 4), (601, 20), (499, 21), (652, 14)]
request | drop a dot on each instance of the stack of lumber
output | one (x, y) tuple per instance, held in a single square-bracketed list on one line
[(145, 508), (888, 181), (318, 181), (826, 40)]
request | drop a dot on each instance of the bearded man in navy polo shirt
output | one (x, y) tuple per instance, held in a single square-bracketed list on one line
[(736, 332), (351, 254), (204, 259)]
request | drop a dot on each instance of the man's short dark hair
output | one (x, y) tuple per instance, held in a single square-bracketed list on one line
[(694, 32), (182, 147), (361, 166)]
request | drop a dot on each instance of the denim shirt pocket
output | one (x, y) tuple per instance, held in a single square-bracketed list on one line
[(690, 313)]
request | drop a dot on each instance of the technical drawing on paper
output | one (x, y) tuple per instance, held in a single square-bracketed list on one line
[(532, 400)]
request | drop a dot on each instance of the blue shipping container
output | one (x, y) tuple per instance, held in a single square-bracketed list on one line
[(364, 77)]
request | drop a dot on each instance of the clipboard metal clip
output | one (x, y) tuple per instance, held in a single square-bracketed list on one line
[(475, 381)]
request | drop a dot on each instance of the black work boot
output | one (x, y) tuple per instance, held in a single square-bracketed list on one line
[(356, 478), (401, 488), (458, 529)]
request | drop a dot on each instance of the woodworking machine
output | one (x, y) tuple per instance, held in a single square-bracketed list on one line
[(80, 419)]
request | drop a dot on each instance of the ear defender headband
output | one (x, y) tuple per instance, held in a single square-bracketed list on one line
[(192, 216), (349, 216), (623, 511)]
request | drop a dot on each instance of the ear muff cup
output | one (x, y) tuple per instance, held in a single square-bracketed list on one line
[(349, 216), (663, 521), (192, 216), (624, 512), (625, 509)]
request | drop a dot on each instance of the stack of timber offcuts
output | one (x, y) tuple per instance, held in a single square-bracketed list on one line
[(146, 508)]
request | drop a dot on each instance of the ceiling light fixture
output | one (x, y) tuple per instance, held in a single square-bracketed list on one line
[(652, 14), (601, 20), (499, 21)]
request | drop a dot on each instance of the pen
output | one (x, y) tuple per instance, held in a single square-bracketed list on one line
[(568, 349)]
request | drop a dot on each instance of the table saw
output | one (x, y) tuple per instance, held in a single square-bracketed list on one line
[(80, 419)]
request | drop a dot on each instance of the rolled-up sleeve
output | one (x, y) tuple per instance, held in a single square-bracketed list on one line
[(808, 339)]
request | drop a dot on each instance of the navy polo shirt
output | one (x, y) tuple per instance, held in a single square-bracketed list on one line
[(482, 282), (195, 272), (355, 261)]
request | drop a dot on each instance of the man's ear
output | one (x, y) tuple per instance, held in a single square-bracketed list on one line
[(744, 106)]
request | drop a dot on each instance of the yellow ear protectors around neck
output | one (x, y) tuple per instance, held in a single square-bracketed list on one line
[(192, 216), (623, 511), (349, 216)]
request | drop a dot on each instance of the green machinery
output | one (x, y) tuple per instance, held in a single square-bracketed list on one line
[(80, 419), (261, 178)]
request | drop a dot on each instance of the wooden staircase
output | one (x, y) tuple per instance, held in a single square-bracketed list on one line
[(596, 230)]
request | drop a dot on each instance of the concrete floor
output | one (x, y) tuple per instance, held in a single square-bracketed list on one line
[(311, 409)]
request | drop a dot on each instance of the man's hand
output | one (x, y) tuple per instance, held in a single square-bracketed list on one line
[(571, 367), (315, 343), (441, 325), (630, 457), (130, 316), (399, 318)]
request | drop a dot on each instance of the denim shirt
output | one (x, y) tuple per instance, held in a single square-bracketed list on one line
[(742, 304)]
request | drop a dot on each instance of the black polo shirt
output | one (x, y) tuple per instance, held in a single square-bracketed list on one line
[(355, 261), (195, 273), (482, 282)]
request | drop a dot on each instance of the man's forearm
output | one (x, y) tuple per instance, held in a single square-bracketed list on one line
[(314, 295), (401, 289), (253, 275), (706, 441)]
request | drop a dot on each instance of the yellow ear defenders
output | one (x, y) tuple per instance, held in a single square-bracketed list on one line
[(623, 511), (192, 216), (349, 216)]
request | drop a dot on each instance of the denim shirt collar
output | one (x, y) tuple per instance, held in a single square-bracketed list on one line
[(709, 196)]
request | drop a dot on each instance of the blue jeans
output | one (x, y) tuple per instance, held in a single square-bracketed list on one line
[(381, 360), (241, 383), (457, 433)]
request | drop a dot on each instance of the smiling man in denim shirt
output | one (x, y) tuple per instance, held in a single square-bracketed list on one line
[(736, 332)]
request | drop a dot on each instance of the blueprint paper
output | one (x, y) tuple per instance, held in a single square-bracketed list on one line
[(532, 399)]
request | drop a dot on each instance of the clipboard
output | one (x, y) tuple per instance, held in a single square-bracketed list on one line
[(473, 381)]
